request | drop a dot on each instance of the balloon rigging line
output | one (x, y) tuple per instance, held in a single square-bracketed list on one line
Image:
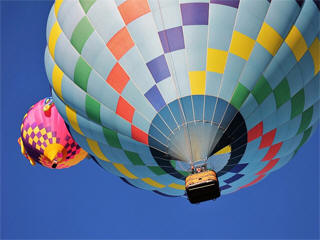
[(178, 93)]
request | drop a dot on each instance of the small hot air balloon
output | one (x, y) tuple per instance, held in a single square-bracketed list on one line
[(45, 138), (153, 89)]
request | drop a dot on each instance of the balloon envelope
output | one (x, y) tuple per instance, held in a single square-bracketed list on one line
[(152, 87), (45, 138)]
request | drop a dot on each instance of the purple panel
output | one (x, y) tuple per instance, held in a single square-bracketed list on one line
[(32, 135), (39, 134), (224, 187), (45, 137), (237, 168), (195, 13), (172, 39), (159, 68), (230, 3), (233, 178), (155, 98)]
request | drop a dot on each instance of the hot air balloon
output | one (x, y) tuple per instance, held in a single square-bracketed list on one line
[(45, 138), (154, 89)]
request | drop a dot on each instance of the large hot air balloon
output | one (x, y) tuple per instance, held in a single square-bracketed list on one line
[(155, 88), (46, 140)]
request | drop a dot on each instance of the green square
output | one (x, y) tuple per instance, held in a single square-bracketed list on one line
[(306, 119), (93, 109), (282, 92), (157, 170), (240, 95), (184, 173), (81, 34), (86, 4), (111, 137), (305, 137), (261, 90), (81, 74), (134, 158), (297, 103), (173, 163)]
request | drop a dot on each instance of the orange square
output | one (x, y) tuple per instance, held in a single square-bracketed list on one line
[(132, 9), (118, 78), (139, 135), (120, 43), (125, 110)]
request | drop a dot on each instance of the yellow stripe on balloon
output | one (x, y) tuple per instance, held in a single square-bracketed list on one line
[(216, 60), (53, 37), (57, 6), (315, 53), (224, 150), (121, 168), (296, 43), (57, 75), (177, 186), (269, 38), (152, 182), (94, 146), (72, 118), (241, 45), (197, 82)]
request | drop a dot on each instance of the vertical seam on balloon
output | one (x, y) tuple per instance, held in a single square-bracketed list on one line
[(172, 70)]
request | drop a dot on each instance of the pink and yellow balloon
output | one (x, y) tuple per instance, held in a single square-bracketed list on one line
[(46, 140)]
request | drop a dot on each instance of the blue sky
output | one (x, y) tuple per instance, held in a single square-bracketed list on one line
[(87, 202)]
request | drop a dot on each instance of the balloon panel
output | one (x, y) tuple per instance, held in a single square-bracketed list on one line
[(170, 83)]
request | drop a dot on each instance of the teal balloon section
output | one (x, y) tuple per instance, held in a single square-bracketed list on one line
[(151, 87)]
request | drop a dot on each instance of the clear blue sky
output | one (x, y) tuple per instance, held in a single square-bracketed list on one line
[(87, 202)]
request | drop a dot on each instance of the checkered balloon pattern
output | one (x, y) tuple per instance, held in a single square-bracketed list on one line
[(43, 132), (150, 87)]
